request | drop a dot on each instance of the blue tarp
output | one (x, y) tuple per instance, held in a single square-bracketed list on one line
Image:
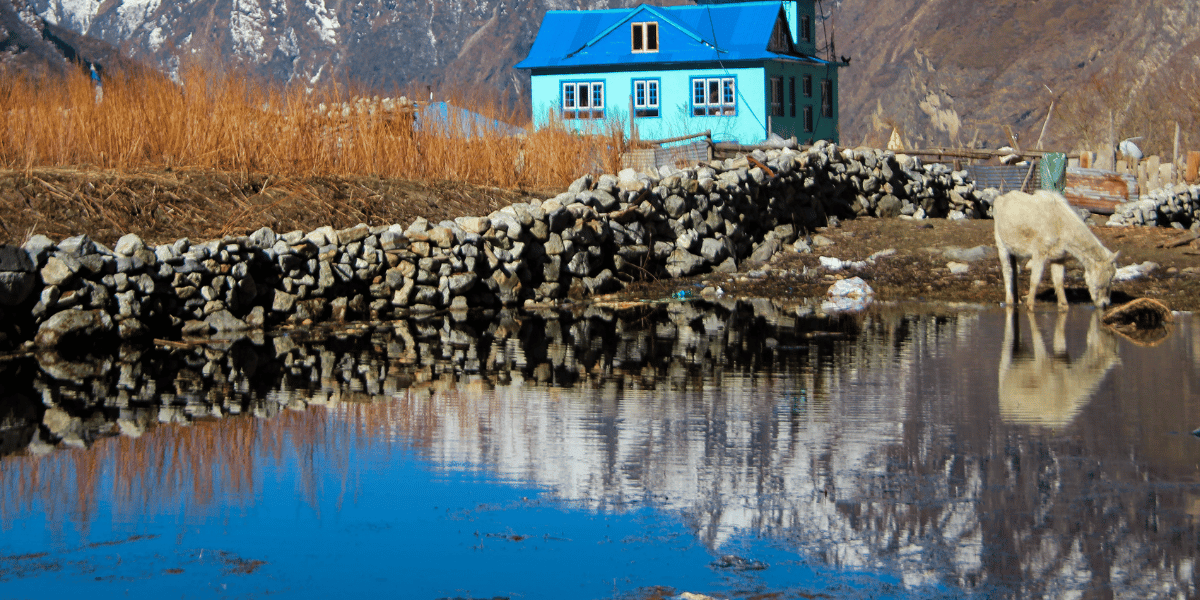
[(460, 122)]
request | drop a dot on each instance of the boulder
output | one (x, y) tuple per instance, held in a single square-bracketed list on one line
[(71, 323)]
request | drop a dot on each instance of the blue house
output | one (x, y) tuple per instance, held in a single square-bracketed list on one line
[(741, 70)]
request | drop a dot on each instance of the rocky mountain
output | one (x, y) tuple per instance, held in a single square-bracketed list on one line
[(941, 72), (379, 44), (949, 73)]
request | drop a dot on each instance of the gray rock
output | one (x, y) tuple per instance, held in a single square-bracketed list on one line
[(478, 225), (682, 263), (15, 258), (73, 322), (78, 245), (675, 206), (602, 283), (58, 270), (132, 328), (889, 207), (39, 248), (283, 302), (765, 250), (442, 237), (579, 265), (357, 233), (128, 245), (461, 283), (713, 250), (601, 200), (16, 286)]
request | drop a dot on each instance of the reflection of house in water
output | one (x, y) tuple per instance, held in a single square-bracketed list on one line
[(876, 441), (1049, 390)]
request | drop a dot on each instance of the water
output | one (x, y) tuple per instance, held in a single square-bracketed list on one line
[(734, 450)]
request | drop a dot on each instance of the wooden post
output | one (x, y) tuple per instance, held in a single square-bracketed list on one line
[(1175, 156), (1112, 135), (633, 132), (1193, 167), (1047, 122)]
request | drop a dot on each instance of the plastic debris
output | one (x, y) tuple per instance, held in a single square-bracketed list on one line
[(1132, 272), (683, 295)]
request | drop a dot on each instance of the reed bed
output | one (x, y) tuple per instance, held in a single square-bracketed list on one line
[(228, 122), (220, 154)]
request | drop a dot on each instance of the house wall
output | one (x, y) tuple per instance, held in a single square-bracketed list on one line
[(747, 126), (824, 128)]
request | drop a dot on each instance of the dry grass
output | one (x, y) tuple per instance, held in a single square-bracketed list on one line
[(220, 154), (224, 122)]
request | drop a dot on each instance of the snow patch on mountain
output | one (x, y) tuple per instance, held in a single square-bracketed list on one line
[(246, 24), (72, 14), (134, 13), (324, 21)]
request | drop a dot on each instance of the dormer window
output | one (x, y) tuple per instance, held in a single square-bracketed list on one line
[(645, 36)]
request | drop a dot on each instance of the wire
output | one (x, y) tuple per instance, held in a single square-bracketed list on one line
[(737, 87)]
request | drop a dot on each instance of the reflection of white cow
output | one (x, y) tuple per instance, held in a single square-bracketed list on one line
[(1049, 390), (1044, 228)]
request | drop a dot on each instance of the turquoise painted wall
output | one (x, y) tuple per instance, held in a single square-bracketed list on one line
[(792, 124), (747, 126)]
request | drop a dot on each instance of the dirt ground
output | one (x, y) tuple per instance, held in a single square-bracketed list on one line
[(169, 204), (919, 268)]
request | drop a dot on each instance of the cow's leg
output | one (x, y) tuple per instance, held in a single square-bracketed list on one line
[(1037, 265), (1056, 274), (1008, 265)]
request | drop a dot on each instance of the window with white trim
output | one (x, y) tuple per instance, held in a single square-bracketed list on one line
[(808, 119), (583, 100), (714, 96), (776, 89), (644, 36), (645, 97), (808, 86)]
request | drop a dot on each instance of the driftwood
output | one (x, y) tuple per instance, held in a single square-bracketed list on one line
[(1144, 321)]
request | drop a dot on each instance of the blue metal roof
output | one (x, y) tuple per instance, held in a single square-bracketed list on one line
[(686, 34)]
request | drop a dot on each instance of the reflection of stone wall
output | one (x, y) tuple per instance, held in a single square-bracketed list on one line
[(872, 441)]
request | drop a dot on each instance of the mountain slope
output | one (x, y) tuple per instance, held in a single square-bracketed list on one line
[(948, 72)]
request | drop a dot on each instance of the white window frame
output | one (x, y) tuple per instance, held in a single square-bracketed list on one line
[(808, 119), (646, 104), (640, 35), (582, 100), (711, 101)]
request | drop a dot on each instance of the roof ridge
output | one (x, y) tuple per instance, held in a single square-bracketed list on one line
[(657, 13)]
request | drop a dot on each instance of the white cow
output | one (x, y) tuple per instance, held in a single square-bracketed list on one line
[(1044, 228)]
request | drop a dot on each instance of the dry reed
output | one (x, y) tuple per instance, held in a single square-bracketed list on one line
[(228, 122)]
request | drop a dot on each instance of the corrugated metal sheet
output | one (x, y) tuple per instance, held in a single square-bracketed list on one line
[(653, 158), (1005, 178), (726, 32), (1099, 191)]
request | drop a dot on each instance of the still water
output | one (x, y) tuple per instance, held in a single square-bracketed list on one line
[(740, 450)]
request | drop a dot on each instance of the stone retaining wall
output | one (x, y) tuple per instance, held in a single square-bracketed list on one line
[(602, 232), (1172, 206)]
